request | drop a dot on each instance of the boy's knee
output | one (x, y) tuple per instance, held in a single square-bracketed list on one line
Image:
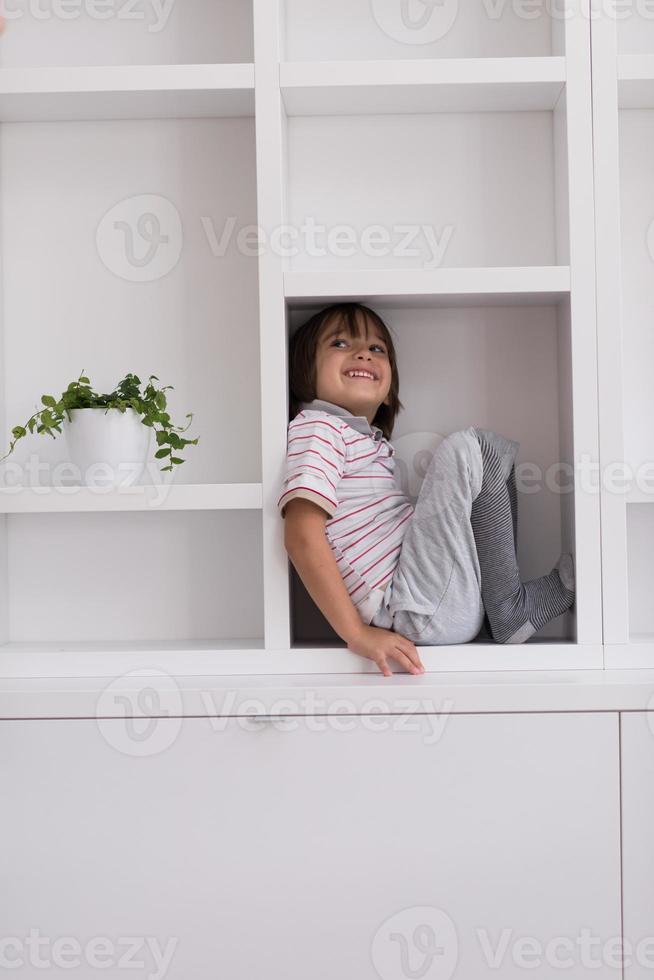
[(461, 441), (462, 447)]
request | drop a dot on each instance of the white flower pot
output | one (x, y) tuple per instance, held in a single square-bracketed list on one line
[(108, 447)]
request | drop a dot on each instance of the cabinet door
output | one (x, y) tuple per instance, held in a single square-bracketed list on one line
[(638, 842), (432, 846)]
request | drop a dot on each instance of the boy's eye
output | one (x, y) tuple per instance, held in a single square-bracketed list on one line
[(339, 340)]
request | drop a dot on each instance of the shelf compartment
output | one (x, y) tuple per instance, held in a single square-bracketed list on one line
[(425, 191), (439, 287), (502, 368), (429, 85), (132, 578), (126, 92), (192, 32), (77, 499), (199, 178)]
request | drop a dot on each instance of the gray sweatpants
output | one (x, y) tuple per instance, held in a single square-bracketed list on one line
[(434, 596)]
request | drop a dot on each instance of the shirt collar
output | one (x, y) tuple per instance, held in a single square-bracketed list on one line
[(358, 422)]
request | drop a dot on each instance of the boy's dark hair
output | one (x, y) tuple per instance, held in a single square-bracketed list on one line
[(302, 359)]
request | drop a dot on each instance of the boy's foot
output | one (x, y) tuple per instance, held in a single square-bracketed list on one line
[(551, 596)]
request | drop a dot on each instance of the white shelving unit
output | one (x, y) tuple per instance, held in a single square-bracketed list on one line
[(235, 115), (347, 88), (623, 106), (126, 92)]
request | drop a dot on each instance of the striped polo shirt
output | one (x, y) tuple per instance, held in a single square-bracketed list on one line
[(346, 466)]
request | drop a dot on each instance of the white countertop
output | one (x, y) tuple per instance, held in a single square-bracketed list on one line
[(319, 694)]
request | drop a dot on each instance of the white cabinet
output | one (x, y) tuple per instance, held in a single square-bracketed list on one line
[(174, 185), (124, 126), (637, 757), (316, 847)]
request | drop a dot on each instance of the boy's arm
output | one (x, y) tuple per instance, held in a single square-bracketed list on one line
[(311, 554), (310, 551)]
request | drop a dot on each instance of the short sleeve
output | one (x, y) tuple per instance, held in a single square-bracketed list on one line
[(315, 460)]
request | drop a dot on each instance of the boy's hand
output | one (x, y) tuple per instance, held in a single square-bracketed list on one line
[(380, 645)]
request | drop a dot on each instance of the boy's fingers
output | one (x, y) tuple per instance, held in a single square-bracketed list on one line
[(405, 661), (415, 657), (412, 654), (383, 666)]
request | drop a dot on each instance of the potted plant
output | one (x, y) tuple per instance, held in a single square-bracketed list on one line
[(110, 430)]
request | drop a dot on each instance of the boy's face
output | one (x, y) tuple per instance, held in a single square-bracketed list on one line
[(338, 355)]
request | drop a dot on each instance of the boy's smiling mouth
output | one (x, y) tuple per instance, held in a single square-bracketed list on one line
[(360, 373)]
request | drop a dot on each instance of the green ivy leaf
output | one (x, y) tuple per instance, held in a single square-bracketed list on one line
[(150, 406)]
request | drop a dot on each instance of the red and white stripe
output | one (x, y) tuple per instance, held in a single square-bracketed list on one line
[(352, 477)]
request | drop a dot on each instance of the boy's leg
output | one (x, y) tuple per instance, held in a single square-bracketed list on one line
[(435, 595), (515, 610), (485, 632)]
